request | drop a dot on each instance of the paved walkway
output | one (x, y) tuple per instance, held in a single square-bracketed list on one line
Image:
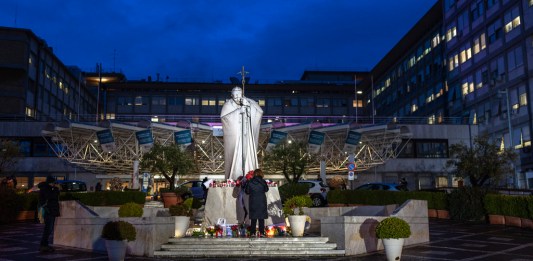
[(449, 241)]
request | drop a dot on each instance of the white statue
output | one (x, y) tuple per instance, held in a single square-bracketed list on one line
[(241, 122)]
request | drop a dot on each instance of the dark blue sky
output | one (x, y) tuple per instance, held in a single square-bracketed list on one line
[(195, 40)]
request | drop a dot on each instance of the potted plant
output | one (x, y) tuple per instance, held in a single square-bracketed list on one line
[(393, 231), (116, 234), (297, 222), (182, 215)]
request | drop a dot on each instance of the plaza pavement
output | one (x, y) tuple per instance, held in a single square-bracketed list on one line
[(449, 240)]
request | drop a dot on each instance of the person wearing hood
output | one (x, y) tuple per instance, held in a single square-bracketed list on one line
[(257, 188), (49, 201)]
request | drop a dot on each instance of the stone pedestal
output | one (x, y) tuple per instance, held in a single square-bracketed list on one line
[(230, 203)]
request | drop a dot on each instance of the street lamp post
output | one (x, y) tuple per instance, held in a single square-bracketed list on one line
[(510, 129)]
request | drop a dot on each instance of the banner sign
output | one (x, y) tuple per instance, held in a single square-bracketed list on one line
[(106, 140), (183, 138), (315, 141), (276, 137), (144, 137), (352, 140)]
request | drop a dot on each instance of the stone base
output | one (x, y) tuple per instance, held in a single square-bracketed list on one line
[(228, 202), (357, 234)]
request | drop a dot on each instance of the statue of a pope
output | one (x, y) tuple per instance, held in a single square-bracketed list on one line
[(241, 122)]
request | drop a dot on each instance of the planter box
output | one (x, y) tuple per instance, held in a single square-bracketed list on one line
[(527, 223), (444, 214), (432, 213), (497, 219), (513, 221)]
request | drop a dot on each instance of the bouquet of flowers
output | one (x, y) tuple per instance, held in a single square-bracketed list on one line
[(235, 230), (210, 230), (249, 175), (218, 230)]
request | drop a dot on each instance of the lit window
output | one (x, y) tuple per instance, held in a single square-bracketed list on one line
[(523, 99), (29, 112), (512, 19), (209, 102), (191, 101), (221, 102), (261, 102)]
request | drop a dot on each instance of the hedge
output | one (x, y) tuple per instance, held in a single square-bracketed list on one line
[(290, 190), (105, 198)]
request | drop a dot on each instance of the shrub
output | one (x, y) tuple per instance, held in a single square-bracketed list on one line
[(10, 205), (439, 200), (337, 197), (119, 230), (493, 204), (297, 202), (130, 209), (290, 190), (183, 209), (393, 227), (105, 198), (466, 204), (514, 206), (529, 202)]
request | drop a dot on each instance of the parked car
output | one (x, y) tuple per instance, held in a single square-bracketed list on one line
[(195, 189), (66, 186), (382, 186), (317, 190)]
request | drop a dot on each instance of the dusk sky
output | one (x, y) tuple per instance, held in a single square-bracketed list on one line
[(211, 40)]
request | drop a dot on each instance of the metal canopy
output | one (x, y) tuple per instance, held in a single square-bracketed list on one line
[(78, 144)]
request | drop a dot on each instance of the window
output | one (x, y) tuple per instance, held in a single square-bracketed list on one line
[(436, 40), (494, 31), (125, 101), (512, 19), (466, 53), (159, 100), (451, 33), (261, 102), (209, 101), (338, 103), (514, 58), (175, 101), (291, 102), (491, 3), (141, 101), (222, 101), (322, 103), (431, 149), (462, 21), (307, 102), (453, 61), (191, 101), (479, 43), (273, 102), (477, 10), (467, 86)]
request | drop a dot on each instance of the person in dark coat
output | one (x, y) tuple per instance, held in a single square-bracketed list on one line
[(257, 188), (49, 201)]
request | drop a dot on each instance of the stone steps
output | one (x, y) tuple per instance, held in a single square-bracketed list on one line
[(238, 247)]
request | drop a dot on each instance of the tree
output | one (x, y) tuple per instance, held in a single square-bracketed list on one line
[(482, 162), (169, 161), (291, 159), (9, 151)]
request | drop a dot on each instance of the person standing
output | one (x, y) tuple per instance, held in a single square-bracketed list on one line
[(257, 188), (98, 186), (49, 201)]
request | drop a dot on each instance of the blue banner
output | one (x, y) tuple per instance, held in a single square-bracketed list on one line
[(353, 138), (277, 136), (144, 137), (316, 138), (105, 136), (183, 137)]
